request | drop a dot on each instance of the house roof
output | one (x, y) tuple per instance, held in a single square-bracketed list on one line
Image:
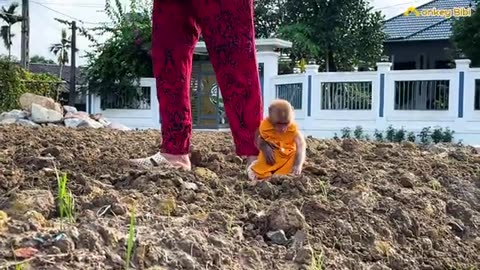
[(416, 28), (54, 69)]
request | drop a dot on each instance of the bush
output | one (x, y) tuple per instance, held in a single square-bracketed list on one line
[(15, 81), (400, 135), (346, 133)]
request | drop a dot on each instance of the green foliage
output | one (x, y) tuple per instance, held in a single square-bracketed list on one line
[(425, 135), (115, 67), (37, 59), (338, 35), (411, 137), (400, 135), (466, 35), (66, 203), (390, 134), (358, 132), (131, 238), (378, 135), (10, 18), (346, 133), (437, 135), (448, 135), (15, 81)]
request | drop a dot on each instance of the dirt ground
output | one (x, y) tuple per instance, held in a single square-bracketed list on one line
[(359, 205)]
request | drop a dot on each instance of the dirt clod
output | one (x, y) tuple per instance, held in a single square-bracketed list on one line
[(358, 205)]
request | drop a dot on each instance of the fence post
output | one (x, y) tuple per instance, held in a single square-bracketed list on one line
[(382, 96), (311, 71), (462, 67), (270, 70)]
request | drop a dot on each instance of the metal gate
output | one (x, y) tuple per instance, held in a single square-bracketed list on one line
[(208, 110)]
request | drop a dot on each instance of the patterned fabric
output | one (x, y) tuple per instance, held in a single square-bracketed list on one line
[(227, 28)]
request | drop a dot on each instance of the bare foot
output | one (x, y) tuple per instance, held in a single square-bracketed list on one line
[(251, 159), (176, 161)]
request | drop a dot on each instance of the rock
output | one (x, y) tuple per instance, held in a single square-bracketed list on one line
[(27, 123), (43, 115), (206, 174), (409, 145), (90, 123), (26, 100), (79, 115), (64, 243), (72, 122), (190, 186), (286, 217), (437, 149), (187, 262), (278, 237), (15, 114), (53, 151), (299, 239), (37, 200), (8, 121), (118, 126), (408, 180), (426, 243), (304, 255), (70, 109)]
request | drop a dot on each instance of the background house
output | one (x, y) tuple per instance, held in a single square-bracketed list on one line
[(421, 42)]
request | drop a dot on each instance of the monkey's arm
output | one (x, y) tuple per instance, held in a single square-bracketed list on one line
[(301, 152), (265, 147)]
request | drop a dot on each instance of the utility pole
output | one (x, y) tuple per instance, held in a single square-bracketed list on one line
[(25, 56), (72, 92)]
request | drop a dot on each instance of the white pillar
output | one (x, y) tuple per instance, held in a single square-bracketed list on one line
[(270, 70), (383, 95), (464, 90)]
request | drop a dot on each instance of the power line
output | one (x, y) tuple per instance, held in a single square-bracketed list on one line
[(64, 14)]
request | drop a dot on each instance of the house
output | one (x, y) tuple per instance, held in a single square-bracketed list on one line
[(420, 39)]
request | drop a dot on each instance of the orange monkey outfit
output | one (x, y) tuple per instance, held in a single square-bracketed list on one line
[(284, 153)]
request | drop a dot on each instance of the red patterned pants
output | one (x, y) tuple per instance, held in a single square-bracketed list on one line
[(228, 31)]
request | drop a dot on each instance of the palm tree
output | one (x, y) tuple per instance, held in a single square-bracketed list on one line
[(61, 50), (9, 16)]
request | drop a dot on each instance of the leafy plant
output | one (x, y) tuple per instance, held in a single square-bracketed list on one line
[(400, 135), (346, 133), (437, 135), (425, 135), (411, 137), (318, 261), (131, 238), (390, 134), (447, 135), (335, 137), (66, 204), (358, 133), (378, 135), (8, 16)]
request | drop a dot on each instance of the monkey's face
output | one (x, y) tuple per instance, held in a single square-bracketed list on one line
[(281, 119)]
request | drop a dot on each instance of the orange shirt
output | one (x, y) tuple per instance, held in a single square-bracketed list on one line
[(284, 154)]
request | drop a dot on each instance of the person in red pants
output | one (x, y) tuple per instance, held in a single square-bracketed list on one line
[(228, 30)]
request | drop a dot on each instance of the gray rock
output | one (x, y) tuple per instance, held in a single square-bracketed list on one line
[(190, 185), (90, 123), (118, 126), (8, 121), (70, 109), (15, 114), (73, 122), (26, 100), (304, 255), (27, 123), (278, 237), (44, 115)]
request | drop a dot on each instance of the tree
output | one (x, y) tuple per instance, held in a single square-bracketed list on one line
[(10, 18), (338, 35), (37, 59), (61, 50), (466, 36)]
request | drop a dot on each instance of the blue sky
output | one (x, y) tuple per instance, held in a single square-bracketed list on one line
[(44, 30)]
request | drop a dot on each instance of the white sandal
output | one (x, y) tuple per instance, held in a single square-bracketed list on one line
[(151, 161)]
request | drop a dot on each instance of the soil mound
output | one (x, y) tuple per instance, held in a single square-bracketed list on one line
[(359, 205)]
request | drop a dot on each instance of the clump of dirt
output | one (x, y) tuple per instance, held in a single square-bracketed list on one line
[(359, 205)]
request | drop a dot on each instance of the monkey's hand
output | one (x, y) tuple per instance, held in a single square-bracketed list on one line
[(297, 170), (267, 150)]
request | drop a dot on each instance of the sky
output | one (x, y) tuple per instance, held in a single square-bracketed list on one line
[(44, 30)]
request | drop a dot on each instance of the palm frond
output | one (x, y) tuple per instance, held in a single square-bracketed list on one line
[(5, 36)]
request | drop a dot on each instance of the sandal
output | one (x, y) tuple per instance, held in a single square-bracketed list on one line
[(250, 173), (151, 161)]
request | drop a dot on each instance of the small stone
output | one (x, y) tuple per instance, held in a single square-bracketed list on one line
[(278, 237), (53, 151), (118, 126), (304, 255), (119, 209), (70, 109), (26, 100), (41, 201), (72, 122), (8, 121), (427, 244), (286, 217), (64, 243), (27, 123), (190, 186), (187, 262), (299, 239), (44, 115), (408, 180), (90, 123), (409, 145), (15, 114), (79, 115), (205, 174)]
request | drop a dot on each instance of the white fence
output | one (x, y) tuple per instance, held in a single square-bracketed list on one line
[(325, 103)]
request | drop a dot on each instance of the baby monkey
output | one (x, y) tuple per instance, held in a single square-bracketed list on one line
[(282, 146)]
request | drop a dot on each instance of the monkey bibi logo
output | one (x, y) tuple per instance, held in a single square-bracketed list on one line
[(411, 10)]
